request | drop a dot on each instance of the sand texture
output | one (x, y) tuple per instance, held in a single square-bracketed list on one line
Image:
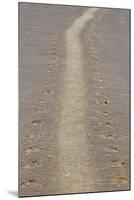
[(73, 99)]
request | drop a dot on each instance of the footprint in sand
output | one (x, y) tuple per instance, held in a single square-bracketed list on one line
[(106, 102), (37, 137), (49, 70), (94, 55), (117, 163), (32, 150), (108, 123), (48, 92), (53, 57), (99, 94), (98, 79), (120, 181), (42, 101), (99, 87), (51, 65), (33, 164), (30, 183), (54, 48), (39, 122), (106, 113), (53, 53), (41, 110), (109, 136), (103, 113), (111, 149)]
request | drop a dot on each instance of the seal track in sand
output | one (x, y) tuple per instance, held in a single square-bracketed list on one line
[(75, 157)]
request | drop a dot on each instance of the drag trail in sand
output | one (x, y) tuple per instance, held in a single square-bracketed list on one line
[(75, 158)]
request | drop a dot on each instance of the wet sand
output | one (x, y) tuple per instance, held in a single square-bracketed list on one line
[(74, 100)]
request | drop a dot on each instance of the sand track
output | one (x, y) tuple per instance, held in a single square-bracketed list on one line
[(75, 158)]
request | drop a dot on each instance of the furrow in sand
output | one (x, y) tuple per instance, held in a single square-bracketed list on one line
[(75, 159)]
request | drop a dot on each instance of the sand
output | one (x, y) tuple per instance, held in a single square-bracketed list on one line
[(73, 99)]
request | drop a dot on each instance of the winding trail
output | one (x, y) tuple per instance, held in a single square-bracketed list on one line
[(75, 158)]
